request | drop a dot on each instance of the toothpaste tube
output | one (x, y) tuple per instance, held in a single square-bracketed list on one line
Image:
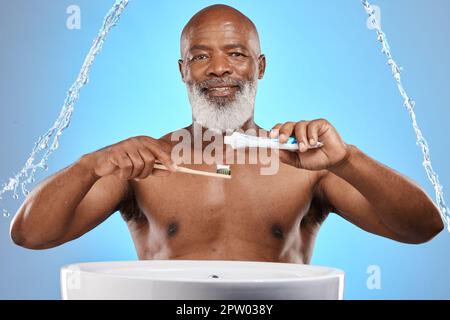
[(239, 140)]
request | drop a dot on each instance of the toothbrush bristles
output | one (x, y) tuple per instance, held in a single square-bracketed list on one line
[(223, 169)]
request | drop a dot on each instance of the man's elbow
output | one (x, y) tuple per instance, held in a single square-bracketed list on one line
[(429, 230), (28, 243), (19, 240), (25, 239), (18, 237), (435, 229)]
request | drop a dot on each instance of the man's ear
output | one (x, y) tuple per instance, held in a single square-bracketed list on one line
[(180, 66), (261, 66)]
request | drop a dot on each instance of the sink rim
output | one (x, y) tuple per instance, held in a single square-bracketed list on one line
[(98, 269)]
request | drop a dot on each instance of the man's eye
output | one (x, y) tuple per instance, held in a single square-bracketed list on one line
[(237, 54), (199, 57)]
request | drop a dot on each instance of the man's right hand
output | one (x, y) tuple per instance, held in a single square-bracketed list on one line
[(132, 158)]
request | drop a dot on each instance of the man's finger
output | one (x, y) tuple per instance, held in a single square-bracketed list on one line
[(286, 131), (149, 161), (161, 155), (138, 163), (313, 132), (301, 135), (125, 165), (275, 131)]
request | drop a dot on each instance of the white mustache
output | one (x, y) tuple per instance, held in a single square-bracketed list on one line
[(224, 82)]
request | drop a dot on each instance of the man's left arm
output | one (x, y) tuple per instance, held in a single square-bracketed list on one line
[(379, 199), (367, 193)]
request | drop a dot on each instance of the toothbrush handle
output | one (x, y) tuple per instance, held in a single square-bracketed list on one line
[(192, 171)]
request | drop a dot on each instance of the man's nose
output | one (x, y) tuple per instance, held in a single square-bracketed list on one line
[(219, 66)]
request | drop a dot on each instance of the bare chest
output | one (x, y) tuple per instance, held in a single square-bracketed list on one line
[(250, 206)]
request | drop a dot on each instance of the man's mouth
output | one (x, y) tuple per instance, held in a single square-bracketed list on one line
[(220, 91)]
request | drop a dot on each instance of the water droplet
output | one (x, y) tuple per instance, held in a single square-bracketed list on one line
[(5, 213)]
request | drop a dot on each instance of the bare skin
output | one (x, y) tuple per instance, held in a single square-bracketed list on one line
[(250, 217)]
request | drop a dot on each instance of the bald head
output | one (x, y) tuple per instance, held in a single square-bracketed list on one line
[(218, 19)]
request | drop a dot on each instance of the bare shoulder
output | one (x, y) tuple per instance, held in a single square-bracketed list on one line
[(174, 137), (167, 137)]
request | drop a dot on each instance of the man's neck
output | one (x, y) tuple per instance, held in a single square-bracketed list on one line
[(197, 131), (247, 125)]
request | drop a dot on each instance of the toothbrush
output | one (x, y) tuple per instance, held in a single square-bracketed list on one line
[(222, 171), (240, 140)]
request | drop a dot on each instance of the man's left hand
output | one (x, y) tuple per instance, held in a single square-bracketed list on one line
[(333, 152)]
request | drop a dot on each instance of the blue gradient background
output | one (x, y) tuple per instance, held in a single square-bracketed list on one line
[(322, 62)]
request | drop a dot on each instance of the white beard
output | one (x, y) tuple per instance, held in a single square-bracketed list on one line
[(231, 115)]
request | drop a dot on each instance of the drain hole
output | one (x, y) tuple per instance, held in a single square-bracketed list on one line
[(213, 276)]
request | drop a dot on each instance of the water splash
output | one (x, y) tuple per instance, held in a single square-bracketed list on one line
[(49, 142), (409, 105)]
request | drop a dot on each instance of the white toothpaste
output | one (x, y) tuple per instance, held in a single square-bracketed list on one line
[(239, 140)]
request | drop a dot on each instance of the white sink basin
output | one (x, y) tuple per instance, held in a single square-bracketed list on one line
[(200, 279)]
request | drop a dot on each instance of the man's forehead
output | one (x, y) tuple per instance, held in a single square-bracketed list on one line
[(232, 31), (218, 25)]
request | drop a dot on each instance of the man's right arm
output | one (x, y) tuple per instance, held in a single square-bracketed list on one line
[(66, 205), (81, 196)]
